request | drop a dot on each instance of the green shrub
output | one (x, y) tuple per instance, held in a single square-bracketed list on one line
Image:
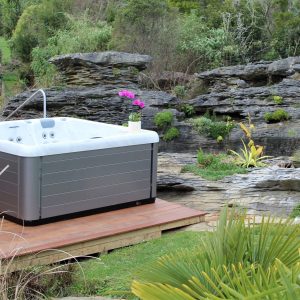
[(171, 134), (36, 24), (163, 119), (10, 12), (5, 54), (196, 40), (211, 128), (185, 6), (179, 91), (278, 100), (187, 109), (81, 36), (276, 116), (44, 73)]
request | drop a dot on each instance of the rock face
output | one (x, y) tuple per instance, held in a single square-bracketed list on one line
[(273, 189), (239, 91), (92, 81), (100, 68)]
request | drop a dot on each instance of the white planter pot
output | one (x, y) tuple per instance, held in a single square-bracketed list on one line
[(134, 126)]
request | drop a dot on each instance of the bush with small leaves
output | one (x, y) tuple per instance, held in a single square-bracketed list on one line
[(276, 116), (171, 134), (179, 91), (187, 109), (278, 100), (213, 128), (163, 119)]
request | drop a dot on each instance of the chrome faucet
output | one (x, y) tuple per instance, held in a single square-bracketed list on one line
[(27, 100)]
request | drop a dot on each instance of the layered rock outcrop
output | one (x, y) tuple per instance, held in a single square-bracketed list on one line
[(100, 68), (239, 91), (273, 189), (91, 81)]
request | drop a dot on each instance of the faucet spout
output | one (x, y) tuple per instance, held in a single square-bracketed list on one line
[(44, 103), (27, 100)]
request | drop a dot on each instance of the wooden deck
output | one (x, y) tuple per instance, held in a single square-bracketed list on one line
[(49, 243)]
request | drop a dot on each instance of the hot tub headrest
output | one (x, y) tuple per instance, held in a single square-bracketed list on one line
[(47, 123)]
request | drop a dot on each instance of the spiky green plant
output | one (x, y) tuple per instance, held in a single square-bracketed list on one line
[(240, 260), (250, 156)]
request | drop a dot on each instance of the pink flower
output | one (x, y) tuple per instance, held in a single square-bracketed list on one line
[(139, 103), (136, 102), (127, 94)]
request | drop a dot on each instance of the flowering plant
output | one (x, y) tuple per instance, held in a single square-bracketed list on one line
[(137, 103)]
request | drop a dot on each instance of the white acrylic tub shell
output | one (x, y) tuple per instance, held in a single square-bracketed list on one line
[(41, 137)]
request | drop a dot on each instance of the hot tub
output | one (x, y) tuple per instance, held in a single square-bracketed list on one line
[(62, 167)]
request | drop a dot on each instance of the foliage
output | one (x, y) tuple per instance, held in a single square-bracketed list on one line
[(113, 274), (278, 115), (36, 24), (211, 127), (81, 36), (200, 42), (171, 134), (143, 17), (213, 167), (240, 260), (187, 109), (286, 34), (163, 119), (296, 211), (148, 27), (5, 53), (187, 36), (44, 72), (179, 91), (277, 99), (206, 160), (10, 12), (33, 282), (252, 155), (185, 6)]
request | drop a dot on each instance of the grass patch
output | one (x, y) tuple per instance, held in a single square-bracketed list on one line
[(5, 51), (214, 166), (114, 272)]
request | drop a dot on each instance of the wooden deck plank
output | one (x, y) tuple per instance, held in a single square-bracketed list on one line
[(91, 234)]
